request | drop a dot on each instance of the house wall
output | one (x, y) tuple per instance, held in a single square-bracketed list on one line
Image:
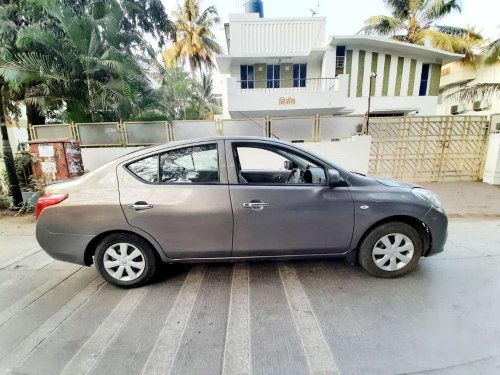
[(395, 89), (257, 41), (492, 165), (351, 153), (397, 74), (254, 36), (456, 75)]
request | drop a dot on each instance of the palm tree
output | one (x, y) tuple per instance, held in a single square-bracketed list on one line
[(15, 16), (481, 91), (207, 101), (85, 61), (414, 21), (195, 41)]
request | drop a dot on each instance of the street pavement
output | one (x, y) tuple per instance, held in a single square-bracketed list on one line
[(294, 317)]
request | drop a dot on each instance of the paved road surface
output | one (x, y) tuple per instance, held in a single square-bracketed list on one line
[(266, 317)]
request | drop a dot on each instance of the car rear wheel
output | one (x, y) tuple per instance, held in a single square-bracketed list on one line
[(390, 250), (125, 260)]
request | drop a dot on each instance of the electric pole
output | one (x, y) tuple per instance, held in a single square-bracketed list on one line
[(8, 158)]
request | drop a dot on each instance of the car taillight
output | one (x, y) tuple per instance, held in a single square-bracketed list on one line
[(48, 200)]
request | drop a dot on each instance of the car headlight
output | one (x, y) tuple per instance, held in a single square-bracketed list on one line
[(428, 196)]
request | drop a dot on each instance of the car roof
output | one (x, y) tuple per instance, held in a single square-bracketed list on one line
[(187, 142), (204, 140)]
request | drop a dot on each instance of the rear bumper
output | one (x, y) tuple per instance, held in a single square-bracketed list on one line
[(437, 222), (63, 246)]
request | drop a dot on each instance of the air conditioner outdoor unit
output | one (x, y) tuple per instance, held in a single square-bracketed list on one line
[(479, 105), (456, 109)]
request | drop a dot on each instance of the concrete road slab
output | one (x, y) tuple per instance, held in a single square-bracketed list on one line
[(317, 316)]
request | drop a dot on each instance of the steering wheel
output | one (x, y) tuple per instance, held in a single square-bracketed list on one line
[(178, 174)]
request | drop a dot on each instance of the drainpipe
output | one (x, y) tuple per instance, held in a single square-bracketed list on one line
[(373, 75)]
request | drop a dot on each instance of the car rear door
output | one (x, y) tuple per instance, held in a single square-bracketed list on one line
[(181, 198), (279, 218)]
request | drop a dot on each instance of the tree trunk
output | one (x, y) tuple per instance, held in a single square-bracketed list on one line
[(35, 117), (8, 158)]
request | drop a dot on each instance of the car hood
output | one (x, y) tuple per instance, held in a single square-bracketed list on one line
[(394, 183), (364, 179)]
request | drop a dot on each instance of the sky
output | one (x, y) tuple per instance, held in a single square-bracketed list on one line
[(347, 17)]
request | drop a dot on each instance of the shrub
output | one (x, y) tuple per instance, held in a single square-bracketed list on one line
[(5, 202)]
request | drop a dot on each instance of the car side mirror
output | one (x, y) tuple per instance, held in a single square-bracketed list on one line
[(333, 178)]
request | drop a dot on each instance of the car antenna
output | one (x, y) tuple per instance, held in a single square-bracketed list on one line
[(251, 119)]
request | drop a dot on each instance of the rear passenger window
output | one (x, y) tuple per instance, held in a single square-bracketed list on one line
[(198, 164), (145, 169)]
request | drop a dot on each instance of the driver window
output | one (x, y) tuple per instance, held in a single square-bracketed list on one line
[(270, 165), (252, 158), (199, 164)]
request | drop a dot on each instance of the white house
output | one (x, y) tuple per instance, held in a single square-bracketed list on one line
[(287, 67), (456, 76)]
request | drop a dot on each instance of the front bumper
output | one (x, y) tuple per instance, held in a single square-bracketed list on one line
[(63, 246), (437, 222)]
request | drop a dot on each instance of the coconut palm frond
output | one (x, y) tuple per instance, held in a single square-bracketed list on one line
[(450, 43), (480, 91), (382, 26), (32, 66), (195, 42), (492, 52), (399, 8), (432, 10), (413, 21)]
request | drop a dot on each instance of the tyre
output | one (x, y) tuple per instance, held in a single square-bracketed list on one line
[(390, 250), (125, 260)]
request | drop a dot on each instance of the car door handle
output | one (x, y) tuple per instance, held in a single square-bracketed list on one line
[(140, 206), (256, 206)]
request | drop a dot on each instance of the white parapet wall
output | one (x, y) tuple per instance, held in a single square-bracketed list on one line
[(350, 153), (491, 173), (93, 158)]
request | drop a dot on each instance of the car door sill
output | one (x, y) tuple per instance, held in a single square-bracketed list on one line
[(260, 257)]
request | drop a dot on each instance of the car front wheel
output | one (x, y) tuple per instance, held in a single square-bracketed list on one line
[(125, 260), (390, 250)]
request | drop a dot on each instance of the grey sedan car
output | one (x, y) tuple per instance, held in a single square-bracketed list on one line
[(230, 199)]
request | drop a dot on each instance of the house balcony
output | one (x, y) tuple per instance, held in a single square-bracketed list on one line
[(453, 77), (317, 96)]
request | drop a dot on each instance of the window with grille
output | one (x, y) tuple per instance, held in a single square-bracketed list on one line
[(247, 77), (424, 80), (299, 75), (273, 76), (340, 61)]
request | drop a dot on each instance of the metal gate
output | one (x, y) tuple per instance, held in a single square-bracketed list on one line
[(444, 148)]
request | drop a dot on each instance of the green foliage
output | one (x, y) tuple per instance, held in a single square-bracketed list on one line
[(23, 165), (492, 52), (414, 21), (84, 60), (5, 202), (178, 97), (88, 60)]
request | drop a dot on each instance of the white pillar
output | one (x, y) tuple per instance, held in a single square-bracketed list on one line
[(491, 173)]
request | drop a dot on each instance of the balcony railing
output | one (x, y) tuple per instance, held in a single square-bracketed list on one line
[(300, 85)]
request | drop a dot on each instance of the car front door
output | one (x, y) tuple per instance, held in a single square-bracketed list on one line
[(299, 215), (181, 198)]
